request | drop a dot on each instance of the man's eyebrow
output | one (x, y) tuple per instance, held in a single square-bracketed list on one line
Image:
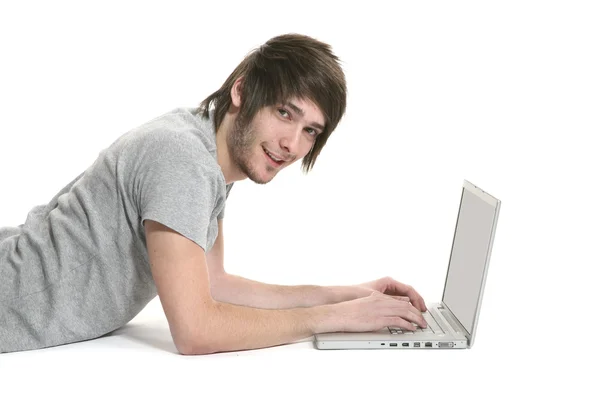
[(300, 111)]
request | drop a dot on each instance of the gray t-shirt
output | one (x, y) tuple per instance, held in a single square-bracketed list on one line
[(78, 267)]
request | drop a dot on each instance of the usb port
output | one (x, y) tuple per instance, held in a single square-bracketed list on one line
[(404, 344), (393, 344), (428, 344), (418, 344)]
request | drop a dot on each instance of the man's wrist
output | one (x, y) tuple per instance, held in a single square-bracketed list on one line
[(338, 294), (320, 319)]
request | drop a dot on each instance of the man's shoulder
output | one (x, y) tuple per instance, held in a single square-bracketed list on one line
[(177, 133)]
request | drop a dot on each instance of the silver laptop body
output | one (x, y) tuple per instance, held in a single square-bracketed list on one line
[(453, 321)]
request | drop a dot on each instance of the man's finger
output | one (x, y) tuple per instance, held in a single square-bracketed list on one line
[(399, 288), (417, 300), (414, 315)]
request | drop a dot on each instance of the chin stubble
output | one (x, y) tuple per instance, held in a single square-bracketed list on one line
[(240, 142)]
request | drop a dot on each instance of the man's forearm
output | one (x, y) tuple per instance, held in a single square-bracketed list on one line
[(232, 327), (235, 289)]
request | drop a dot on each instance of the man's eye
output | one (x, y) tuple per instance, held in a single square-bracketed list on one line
[(283, 113)]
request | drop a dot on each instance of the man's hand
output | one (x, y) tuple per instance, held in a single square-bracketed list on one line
[(393, 288), (370, 313)]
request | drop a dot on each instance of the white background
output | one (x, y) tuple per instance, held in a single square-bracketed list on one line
[(504, 94)]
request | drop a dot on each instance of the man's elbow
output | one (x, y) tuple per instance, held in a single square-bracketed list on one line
[(192, 342), (195, 348), (195, 345)]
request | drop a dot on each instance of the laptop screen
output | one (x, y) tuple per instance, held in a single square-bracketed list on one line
[(468, 258)]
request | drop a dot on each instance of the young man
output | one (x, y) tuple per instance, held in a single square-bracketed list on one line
[(146, 219)]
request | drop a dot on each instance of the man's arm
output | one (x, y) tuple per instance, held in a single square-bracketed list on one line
[(201, 325), (235, 289), (198, 323)]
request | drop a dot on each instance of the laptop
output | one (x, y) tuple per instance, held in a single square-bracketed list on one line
[(451, 323)]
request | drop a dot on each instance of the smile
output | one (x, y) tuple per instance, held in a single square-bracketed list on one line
[(275, 159)]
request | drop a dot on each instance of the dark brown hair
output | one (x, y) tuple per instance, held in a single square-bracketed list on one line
[(285, 67)]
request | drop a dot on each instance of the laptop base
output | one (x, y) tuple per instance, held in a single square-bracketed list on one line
[(388, 344), (450, 337)]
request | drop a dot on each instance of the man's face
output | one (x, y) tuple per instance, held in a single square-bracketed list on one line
[(277, 137)]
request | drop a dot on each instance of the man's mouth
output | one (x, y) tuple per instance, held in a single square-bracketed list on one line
[(275, 159)]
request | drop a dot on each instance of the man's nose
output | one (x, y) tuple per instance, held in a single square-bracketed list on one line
[(290, 140)]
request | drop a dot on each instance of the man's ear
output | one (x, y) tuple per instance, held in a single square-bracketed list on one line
[(236, 92)]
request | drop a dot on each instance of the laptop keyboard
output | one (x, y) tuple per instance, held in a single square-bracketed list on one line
[(432, 327)]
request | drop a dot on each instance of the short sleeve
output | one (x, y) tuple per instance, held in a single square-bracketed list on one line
[(176, 185), (228, 189)]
